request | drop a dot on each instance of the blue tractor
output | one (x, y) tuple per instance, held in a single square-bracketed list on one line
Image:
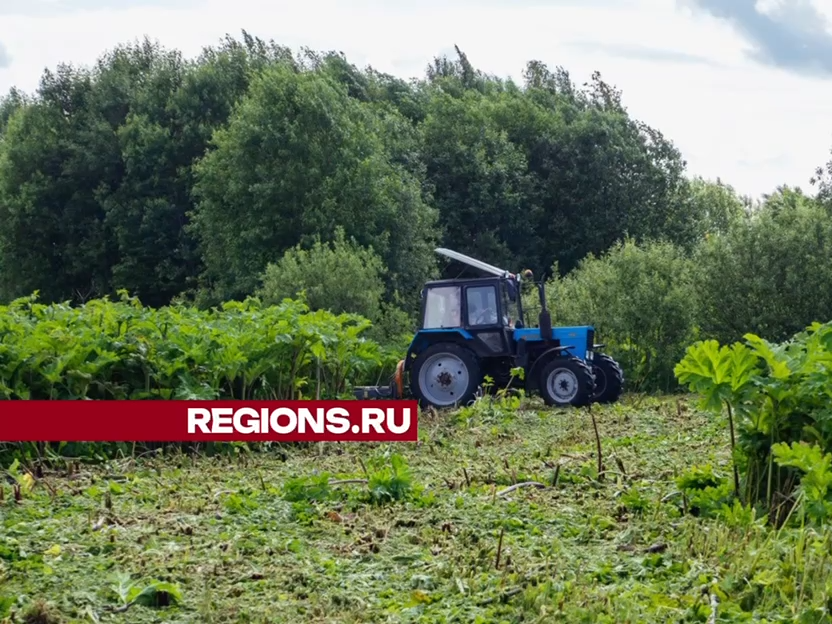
[(473, 328)]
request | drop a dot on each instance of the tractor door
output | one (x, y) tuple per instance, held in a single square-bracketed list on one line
[(512, 313), (484, 316)]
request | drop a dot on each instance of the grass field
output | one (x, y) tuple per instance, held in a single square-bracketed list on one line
[(242, 538)]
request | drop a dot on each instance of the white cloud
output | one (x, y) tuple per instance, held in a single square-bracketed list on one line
[(753, 126)]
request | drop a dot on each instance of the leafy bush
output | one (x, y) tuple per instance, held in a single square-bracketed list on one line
[(776, 396), (815, 480), (122, 350), (641, 300), (705, 492), (769, 275), (342, 277), (309, 489), (389, 480)]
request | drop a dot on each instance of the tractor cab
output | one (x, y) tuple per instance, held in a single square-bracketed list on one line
[(478, 312), (472, 304)]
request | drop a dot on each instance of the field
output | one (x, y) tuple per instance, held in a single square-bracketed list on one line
[(256, 224), (435, 536)]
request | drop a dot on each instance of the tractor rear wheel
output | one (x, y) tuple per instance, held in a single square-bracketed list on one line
[(445, 375), (566, 381), (609, 379)]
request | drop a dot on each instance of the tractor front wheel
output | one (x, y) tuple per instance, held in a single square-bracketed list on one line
[(609, 379), (566, 381), (445, 375)]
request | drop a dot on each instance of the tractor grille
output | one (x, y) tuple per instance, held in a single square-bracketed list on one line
[(590, 339)]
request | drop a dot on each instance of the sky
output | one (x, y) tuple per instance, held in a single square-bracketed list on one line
[(742, 87)]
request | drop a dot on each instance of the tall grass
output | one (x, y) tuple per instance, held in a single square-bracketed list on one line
[(121, 350)]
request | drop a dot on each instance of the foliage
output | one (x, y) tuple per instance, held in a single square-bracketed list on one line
[(642, 303), (8, 105), (121, 350), (310, 489), (154, 594), (299, 159), (480, 179), (716, 207), (815, 479), (776, 395), (769, 275), (342, 277), (183, 179), (95, 172), (533, 176), (706, 493), (391, 482)]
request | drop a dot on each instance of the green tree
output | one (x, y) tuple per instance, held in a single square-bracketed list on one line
[(9, 103), (298, 159), (168, 128), (479, 180), (822, 180), (56, 155), (771, 275), (599, 175), (715, 206), (547, 173)]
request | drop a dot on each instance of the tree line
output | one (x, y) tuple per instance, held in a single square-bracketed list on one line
[(255, 170)]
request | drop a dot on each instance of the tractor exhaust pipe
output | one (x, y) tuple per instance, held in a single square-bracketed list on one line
[(545, 319)]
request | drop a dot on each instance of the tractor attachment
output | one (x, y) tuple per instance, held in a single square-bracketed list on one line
[(394, 390)]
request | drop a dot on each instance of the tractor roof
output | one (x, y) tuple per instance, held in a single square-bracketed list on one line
[(461, 280)]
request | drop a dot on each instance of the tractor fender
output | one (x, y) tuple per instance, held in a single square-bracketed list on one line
[(427, 338), (547, 356)]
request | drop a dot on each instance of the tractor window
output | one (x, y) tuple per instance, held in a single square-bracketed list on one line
[(482, 305), (511, 309), (442, 308)]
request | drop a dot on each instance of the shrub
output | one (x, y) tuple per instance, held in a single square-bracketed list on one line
[(642, 302), (122, 350), (340, 276), (777, 399), (769, 275)]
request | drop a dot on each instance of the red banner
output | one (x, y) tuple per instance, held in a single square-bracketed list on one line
[(203, 421)]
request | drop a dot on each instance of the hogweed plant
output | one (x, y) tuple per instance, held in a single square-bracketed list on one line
[(778, 400), (122, 350), (117, 350)]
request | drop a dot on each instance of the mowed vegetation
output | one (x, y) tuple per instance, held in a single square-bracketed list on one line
[(258, 224), (435, 535)]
